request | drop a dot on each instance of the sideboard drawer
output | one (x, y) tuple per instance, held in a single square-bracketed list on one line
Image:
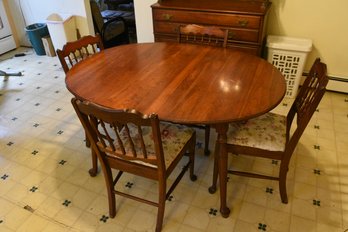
[(243, 35), (230, 20)]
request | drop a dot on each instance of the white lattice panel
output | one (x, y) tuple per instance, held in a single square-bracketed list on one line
[(290, 64)]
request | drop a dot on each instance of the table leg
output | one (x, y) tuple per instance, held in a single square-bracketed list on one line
[(221, 157)]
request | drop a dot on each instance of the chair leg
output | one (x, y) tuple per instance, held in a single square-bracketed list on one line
[(94, 170), (193, 177), (212, 189), (207, 137), (282, 183), (88, 143), (110, 189), (161, 204)]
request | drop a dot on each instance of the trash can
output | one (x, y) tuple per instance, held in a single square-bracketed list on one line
[(289, 55), (35, 33), (62, 29)]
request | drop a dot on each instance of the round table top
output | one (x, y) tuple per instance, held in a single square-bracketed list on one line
[(180, 82)]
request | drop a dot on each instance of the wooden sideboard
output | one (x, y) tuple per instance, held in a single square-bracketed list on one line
[(244, 19)]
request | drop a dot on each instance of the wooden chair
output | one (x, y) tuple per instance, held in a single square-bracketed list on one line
[(73, 53), (76, 51), (203, 35), (131, 142), (269, 136)]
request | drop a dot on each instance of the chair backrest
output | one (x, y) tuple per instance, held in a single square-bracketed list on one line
[(76, 51), (306, 102), (98, 20), (205, 35), (122, 134)]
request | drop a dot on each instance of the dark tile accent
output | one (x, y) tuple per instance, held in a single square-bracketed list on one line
[(62, 162), (104, 218), (33, 189), (317, 147), (38, 74), (316, 202), (38, 87), (285, 104), (18, 99), (35, 152), (36, 125), (39, 62), (346, 100), (10, 143), (213, 211), (58, 109), (21, 83), (57, 91), (29, 208), (14, 118), (316, 171), (129, 185), (5, 176), (55, 77), (60, 132), (199, 144), (170, 198), (66, 203), (262, 227), (316, 127), (275, 162), (37, 104), (269, 190), (1, 221), (317, 110)]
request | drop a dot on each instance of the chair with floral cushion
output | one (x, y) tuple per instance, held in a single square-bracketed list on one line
[(269, 136), (128, 141), (203, 35)]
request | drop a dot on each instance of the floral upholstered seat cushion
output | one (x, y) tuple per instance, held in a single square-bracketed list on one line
[(266, 132), (174, 137)]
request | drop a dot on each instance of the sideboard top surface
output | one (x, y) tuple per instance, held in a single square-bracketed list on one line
[(237, 6)]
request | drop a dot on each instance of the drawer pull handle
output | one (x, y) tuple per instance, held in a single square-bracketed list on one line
[(243, 23), (231, 35), (167, 16)]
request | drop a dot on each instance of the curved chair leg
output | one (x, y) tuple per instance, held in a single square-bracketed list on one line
[(110, 190), (212, 189), (282, 183), (207, 138)]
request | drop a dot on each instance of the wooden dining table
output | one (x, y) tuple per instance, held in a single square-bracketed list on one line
[(182, 83)]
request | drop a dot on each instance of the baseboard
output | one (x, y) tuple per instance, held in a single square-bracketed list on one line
[(337, 84)]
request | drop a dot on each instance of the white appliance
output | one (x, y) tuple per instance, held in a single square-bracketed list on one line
[(7, 41)]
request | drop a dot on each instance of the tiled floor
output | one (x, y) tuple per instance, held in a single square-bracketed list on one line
[(45, 186)]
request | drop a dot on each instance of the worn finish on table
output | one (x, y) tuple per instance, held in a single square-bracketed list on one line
[(182, 83)]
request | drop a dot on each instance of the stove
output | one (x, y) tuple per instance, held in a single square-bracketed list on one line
[(7, 41)]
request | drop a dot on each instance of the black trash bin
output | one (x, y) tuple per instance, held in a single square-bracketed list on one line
[(35, 33)]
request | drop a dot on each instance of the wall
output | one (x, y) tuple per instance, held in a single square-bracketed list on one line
[(143, 18), (324, 22), (26, 12)]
